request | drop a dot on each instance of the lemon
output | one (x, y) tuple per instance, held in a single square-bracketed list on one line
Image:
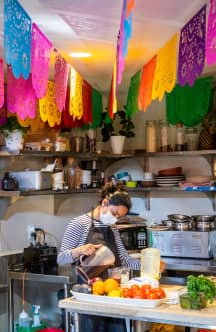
[(115, 293)]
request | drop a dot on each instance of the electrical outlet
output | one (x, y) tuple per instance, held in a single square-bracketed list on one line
[(30, 230)]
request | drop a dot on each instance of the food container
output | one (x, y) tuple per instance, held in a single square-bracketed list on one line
[(187, 302), (131, 184), (33, 180)]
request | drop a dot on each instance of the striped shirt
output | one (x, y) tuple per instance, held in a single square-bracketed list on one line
[(76, 235)]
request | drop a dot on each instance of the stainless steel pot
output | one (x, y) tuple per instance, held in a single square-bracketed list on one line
[(203, 222), (168, 223), (182, 226)]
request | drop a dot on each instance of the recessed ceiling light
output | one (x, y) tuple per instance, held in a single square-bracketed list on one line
[(80, 54)]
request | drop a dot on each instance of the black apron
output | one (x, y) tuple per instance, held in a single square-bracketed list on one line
[(105, 236), (99, 235)]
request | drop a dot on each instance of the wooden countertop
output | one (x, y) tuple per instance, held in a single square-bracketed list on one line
[(165, 313)]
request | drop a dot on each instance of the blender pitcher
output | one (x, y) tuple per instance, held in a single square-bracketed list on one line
[(150, 263)]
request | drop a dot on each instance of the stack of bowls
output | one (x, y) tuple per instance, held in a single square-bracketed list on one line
[(148, 180)]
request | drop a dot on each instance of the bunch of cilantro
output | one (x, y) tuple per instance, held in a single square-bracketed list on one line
[(201, 284)]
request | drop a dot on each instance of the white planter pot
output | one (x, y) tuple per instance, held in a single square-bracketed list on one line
[(117, 144), (14, 140)]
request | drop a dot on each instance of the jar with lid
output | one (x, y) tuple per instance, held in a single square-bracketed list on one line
[(164, 136), (180, 138), (151, 136), (192, 138)]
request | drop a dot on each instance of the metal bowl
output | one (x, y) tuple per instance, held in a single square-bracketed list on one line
[(179, 217)]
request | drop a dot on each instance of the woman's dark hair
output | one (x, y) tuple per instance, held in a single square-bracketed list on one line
[(116, 194)]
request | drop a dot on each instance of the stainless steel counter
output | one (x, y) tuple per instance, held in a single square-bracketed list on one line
[(193, 265)]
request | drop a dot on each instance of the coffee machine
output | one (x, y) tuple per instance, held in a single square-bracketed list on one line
[(39, 257)]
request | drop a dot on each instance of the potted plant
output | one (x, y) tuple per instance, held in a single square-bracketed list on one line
[(117, 129), (13, 134)]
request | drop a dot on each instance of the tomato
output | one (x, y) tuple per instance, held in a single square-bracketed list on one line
[(126, 292), (134, 286), (137, 294), (152, 296), (159, 292), (146, 292), (145, 287)]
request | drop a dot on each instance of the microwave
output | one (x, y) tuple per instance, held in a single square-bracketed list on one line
[(134, 236)]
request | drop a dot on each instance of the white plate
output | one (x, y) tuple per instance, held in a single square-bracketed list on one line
[(117, 300)]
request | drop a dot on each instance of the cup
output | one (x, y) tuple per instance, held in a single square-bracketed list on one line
[(120, 274)]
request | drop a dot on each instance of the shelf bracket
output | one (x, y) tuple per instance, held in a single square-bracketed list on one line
[(147, 201)]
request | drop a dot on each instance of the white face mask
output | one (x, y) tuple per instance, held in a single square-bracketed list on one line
[(107, 218)]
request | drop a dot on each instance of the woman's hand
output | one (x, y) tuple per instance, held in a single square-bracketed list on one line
[(88, 249)]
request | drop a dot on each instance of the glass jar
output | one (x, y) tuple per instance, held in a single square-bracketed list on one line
[(164, 136), (192, 138), (151, 136), (180, 138)]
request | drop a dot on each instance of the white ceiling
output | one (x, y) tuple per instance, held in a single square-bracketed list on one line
[(92, 25)]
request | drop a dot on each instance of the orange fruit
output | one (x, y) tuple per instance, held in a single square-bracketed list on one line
[(98, 287), (110, 285)]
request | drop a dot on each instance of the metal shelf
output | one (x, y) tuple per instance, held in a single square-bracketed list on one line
[(175, 153)]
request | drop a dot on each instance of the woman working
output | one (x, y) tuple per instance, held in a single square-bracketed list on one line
[(86, 233)]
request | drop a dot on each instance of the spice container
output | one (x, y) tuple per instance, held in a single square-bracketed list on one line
[(164, 136), (180, 138), (151, 136), (192, 138)]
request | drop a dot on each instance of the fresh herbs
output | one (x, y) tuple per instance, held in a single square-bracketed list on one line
[(201, 284)]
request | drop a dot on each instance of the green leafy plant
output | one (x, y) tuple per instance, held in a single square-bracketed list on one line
[(13, 124), (201, 284), (120, 125)]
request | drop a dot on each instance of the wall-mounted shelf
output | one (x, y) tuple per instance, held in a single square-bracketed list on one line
[(194, 153), (84, 155), (210, 155)]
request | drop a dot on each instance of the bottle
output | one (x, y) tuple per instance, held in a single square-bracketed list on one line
[(192, 138), (36, 316), (24, 319), (94, 174), (150, 263), (180, 139), (164, 136), (151, 136)]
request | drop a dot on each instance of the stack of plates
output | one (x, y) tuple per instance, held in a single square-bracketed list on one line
[(169, 181)]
